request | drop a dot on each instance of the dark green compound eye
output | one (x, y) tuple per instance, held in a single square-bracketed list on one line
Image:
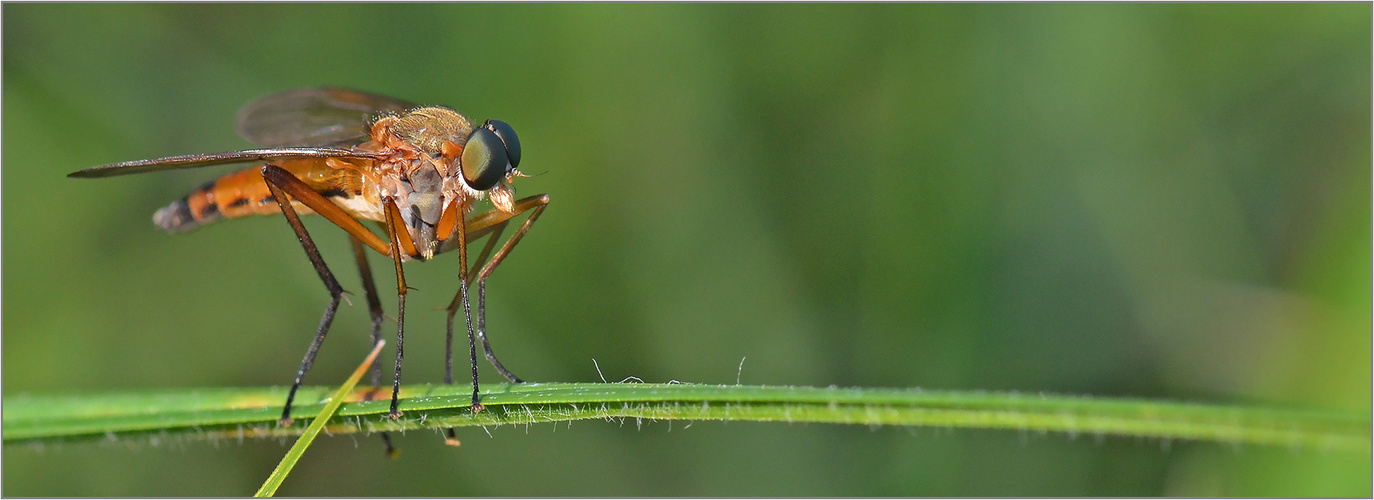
[(491, 153)]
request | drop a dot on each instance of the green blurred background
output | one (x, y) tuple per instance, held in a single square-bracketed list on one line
[(1164, 201)]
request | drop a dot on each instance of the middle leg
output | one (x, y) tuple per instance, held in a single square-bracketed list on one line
[(374, 309)]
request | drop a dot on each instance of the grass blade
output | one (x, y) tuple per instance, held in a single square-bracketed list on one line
[(293, 455), (249, 413)]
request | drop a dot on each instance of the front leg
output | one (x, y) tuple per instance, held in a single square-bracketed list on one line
[(536, 203)]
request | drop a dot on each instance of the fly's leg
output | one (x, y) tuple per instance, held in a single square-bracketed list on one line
[(461, 232), (374, 305), (452, 224), (536, 203), (467, 314), (331, 284), (374, 308), (400, 241), (482, 301)]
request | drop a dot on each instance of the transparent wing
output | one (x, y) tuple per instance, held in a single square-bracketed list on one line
[(205, 160), (316, 116)]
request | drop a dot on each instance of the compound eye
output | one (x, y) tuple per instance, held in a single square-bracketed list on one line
[(508, 137), (485, 161)]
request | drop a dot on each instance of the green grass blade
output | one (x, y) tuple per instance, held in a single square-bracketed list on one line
[(293, 455), (243, 413)]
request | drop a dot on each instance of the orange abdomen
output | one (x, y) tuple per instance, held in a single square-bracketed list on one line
[(243, 193)]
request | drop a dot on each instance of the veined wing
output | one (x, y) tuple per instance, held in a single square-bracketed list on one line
[(316, 116), (207, 159)]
